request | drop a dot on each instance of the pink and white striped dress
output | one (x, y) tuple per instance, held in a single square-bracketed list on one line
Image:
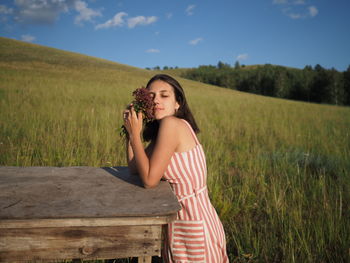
[(197, 234)]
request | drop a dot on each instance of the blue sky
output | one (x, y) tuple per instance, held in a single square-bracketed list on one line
[(187, 33)]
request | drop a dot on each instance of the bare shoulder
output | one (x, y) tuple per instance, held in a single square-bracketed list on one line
[(176, 129), (173, 126), (171, 122)]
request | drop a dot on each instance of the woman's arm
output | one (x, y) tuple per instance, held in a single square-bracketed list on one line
[(128, 149), (152, 169), (130, 155)]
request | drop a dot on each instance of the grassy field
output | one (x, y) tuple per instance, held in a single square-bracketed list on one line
[(278, 170)]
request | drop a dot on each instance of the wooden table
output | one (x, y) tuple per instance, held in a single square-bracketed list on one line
[(52, 213)]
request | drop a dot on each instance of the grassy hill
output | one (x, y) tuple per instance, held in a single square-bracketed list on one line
[(278, 170)]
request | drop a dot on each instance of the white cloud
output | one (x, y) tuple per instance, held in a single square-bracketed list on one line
[(242, 57), (28, 38), (295, 16), (296, 9), (195, 41), (288, 12), (117, 20), (5, 11), (313, 11), (189, 10), (85, 13), (141, 20), (48, 11), (289, 2), (169, 15), (40, 11), (153, 50)]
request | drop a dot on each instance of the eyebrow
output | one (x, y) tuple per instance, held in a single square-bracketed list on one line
[(161, 91)]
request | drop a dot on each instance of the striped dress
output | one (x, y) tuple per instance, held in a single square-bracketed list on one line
[(197, 234)]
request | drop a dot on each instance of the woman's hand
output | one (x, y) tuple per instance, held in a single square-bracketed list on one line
[(133, 121)]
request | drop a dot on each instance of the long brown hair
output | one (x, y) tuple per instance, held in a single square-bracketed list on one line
[(151, 128)]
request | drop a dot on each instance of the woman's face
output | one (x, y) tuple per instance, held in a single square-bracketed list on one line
[(164, 99)]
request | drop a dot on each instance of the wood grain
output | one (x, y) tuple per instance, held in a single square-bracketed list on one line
[(79, 242), (71, 222), (79, 192)]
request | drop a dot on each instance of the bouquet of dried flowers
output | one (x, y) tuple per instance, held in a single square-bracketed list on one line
[(143, 102)]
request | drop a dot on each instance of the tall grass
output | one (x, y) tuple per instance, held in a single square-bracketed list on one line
[(278, 170)]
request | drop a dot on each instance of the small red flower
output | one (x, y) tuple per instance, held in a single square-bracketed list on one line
[(143, 102)]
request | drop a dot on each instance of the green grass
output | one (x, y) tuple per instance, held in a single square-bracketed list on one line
[(278, 170)]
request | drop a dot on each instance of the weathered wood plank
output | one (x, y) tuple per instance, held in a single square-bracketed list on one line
[(79, 192), (144, 259), (79, 242), (88, 222)]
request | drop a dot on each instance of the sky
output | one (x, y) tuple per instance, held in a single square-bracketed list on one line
[(187, 33)]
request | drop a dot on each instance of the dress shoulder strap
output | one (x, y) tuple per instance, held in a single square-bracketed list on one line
[(192, 131)]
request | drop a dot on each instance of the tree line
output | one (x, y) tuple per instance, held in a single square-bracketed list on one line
[(311, 84)]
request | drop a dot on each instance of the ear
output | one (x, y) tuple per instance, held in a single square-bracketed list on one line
[(177, 106)]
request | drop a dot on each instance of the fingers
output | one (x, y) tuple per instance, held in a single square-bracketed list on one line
[(133, 112), (129, 106), (126, 115), (130, 114), (133, 121)]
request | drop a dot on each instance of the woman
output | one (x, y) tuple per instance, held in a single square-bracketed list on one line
[(175, 154)]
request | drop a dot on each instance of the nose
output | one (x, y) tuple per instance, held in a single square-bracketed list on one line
[(156, 99)]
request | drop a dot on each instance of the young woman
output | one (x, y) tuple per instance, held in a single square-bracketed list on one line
[(175, 154)]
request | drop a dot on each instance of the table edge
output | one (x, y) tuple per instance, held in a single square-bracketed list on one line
[(87, 222)]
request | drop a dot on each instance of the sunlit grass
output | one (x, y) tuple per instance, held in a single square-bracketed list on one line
[(278, 170)]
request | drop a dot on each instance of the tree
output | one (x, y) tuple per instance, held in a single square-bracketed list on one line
[(267, 80), (307, 78), (281, 83), (222, 65), (308, 68), (320, 87), (297, 91), (237, 65), (318, 68), (346, 76), (309, 84), (337, 92)]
